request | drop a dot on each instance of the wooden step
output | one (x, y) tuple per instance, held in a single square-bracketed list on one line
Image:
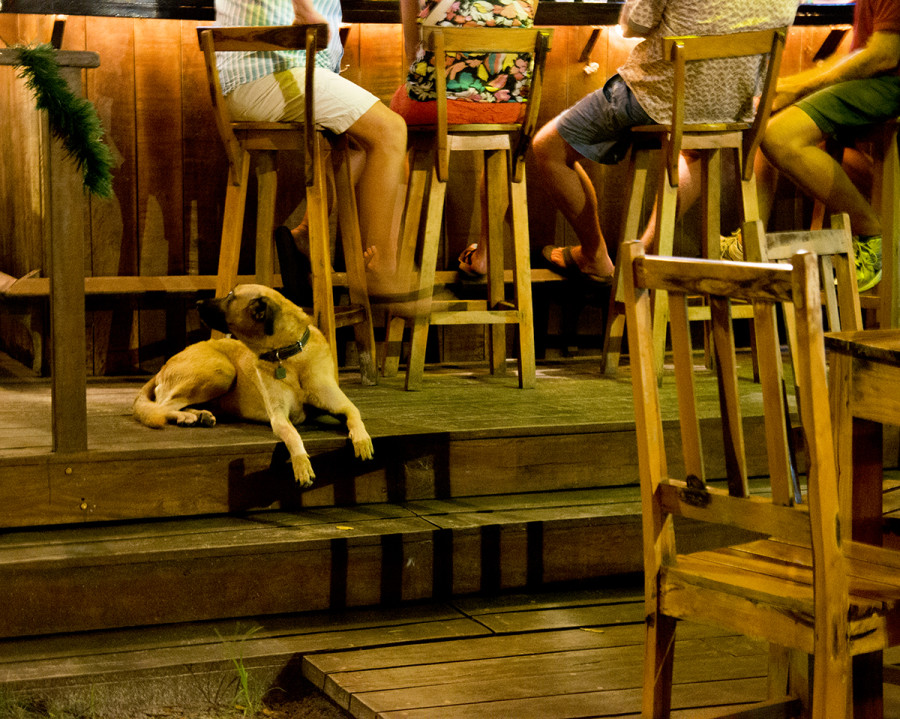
[(142, 574), (543, 655)]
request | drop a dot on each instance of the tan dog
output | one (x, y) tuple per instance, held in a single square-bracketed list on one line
[(277, 363)]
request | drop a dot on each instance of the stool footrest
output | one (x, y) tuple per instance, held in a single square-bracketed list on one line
[(475, 317)]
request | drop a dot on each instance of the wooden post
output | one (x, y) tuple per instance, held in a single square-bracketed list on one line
[(64, 247)]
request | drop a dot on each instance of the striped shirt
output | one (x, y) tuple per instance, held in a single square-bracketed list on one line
[(236, 68)]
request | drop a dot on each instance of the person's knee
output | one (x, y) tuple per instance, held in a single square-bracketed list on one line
[(380, 129), (548, 146), (786, 136)]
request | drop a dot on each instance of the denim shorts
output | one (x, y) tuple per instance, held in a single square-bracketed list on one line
[(599, 126), (839, 109)]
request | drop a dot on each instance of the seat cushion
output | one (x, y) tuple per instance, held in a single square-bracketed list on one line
[(459, 112)]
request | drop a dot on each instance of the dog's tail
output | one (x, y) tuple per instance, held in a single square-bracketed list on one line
[(145, 409)]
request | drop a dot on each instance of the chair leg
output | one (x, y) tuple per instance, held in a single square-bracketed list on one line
[(351, 241), (667, 199), (522, 280), (659, 654), (885, 194), (497, 187), (320, 251), (267, 187), (434, 212), (636, 182), (420, 160), (232, 226)]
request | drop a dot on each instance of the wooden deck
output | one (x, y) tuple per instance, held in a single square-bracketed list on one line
[(483, 565)]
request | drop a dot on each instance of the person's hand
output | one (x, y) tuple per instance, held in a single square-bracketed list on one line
[(309, 16), (787, 92)]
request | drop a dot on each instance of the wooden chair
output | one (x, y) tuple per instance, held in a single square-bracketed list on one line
[(834, 249), (880, 143), (259, 143), (805, 588), (504, 148), (707, 140)]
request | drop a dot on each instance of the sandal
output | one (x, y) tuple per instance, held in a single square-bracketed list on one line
[(570, 270)]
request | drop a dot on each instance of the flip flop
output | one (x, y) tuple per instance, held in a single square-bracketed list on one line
[(465, 263), (571, 270)]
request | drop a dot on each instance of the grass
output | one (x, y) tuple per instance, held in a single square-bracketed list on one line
[(13, 706), (249, 693)]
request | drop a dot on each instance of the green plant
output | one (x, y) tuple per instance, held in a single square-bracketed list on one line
[(250, 693), (72, 119)]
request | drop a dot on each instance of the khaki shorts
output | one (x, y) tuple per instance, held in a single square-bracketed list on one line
[(279, 97)]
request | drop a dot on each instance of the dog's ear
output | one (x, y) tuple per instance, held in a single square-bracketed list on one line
[(265, 312)]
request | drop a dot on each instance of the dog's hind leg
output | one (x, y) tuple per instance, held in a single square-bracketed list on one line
[(189, 379)]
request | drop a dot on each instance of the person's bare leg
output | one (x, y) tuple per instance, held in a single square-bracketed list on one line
[(791, 144), (381, 135), (573, 193), (688, 192)]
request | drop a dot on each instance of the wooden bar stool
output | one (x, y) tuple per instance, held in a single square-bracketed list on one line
[(504, 148), (259, 143), (880, 142), (706, 140)]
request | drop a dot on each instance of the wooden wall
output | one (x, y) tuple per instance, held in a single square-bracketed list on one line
[(151, 94)]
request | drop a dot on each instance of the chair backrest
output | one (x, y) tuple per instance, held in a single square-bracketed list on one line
[(778, 509), (768, 44), (311, 38), (536, 42), (837, 271)]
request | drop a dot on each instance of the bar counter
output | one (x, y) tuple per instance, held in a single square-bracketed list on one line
[(375, 11)]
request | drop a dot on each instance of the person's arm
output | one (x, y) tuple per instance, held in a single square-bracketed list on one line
[(306, 14), (409, 13), (881, 54)]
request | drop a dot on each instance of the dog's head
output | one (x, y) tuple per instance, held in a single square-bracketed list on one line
[(254, 314)]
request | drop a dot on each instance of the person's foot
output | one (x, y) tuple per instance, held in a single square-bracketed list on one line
[(570, 262), (732, 246), (473, 262), (868, 261)]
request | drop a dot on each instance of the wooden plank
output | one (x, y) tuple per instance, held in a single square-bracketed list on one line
[(113, 240), (592, 703), (213, 650), (158, 128), (528, 678)]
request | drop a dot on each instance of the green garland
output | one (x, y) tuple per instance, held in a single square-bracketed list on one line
[(72, 119)]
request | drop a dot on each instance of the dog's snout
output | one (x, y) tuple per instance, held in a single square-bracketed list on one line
[(212, 315)]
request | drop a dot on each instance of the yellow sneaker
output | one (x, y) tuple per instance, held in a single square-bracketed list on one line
[(732, 246), (868, 261)]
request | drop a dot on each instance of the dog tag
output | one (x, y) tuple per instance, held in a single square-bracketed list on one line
[(280, 372)]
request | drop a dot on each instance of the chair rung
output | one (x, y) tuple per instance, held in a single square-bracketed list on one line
[(475, 317), (346, 315)]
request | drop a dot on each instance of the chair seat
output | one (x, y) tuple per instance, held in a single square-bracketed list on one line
[(714, 127), (267, 126), (776, 574)]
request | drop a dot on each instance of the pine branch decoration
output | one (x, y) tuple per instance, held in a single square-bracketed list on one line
[(72, 119)]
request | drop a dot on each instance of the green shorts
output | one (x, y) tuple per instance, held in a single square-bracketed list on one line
[(839, 109)]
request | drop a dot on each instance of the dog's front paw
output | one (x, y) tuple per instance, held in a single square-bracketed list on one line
[(362, 444), (303, 471)]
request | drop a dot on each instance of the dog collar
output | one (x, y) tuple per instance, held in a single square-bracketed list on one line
[(283, 353)]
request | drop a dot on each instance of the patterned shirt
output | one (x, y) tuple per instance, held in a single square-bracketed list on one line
[(721, 90), (236, 68), (495, 77)]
